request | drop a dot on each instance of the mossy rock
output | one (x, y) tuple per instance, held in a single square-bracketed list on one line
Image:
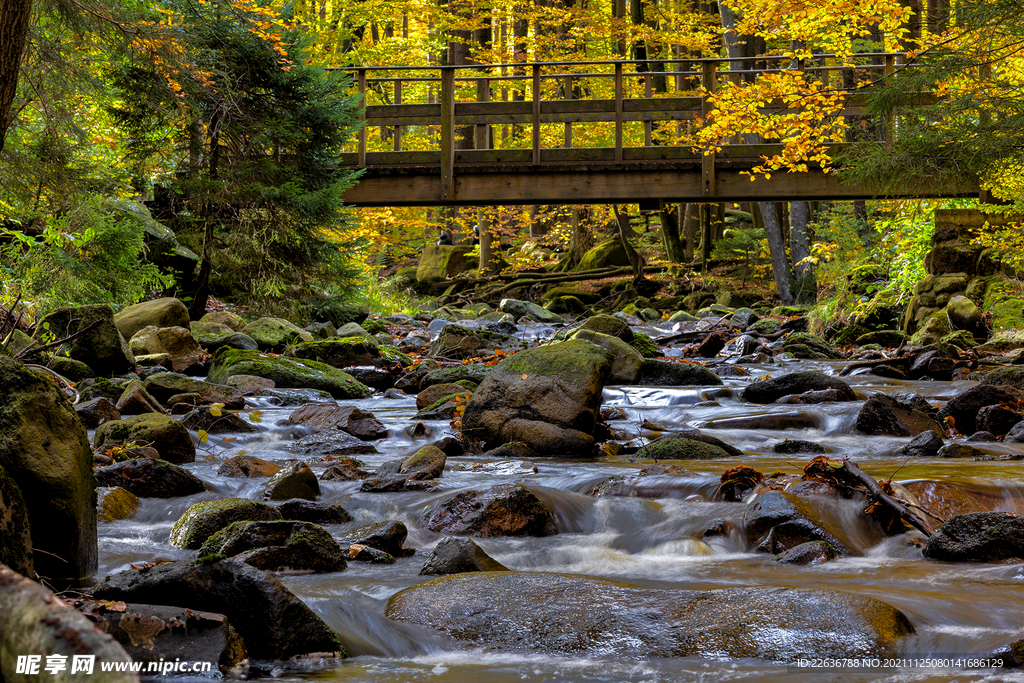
[(236, 322), (610, 325), (338, 312), (788, 311), (442, 409), (74, 370), (287, 373), (203, 520), (682, 317), (394, 356), (115, 503), (453, 375), (961, 339), (165, 312), (102, 348), (679, 448), (886, 338), (766, 326), (163, 385), (933, 329), (803, 345), (407, 273), (440, 261), (588, 298), (277, 545), (339, 353), (105, 388), (566, 304), (607, 253), (645, 345), (163, 432), (274, 334), (15, 531), (374, 326), (1013, 376)]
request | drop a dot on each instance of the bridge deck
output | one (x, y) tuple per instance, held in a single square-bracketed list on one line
[(461, 167)]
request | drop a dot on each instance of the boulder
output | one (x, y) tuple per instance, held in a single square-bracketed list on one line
[(439, 262), (978, 536), (205, 329), (436, 392), (333, 442), (15, 532), (177, 342), (793, 446), (102, 348), (959, 450), (274, 334), (74, 370), (583, 616), (202, 520), (224, 423), (249, 385), (317, 513), (339, 353), (247, 466), (1015, 435), (148, 478), (610, 325), (163, 432), (1012, 376), (234, 340), (998, 419), (502, 510), (45, 451), (767, 391), (344, 471), (95, 412), (160, 313), (963, 314), (776, 522), (232, 320), (273, 622), (135, 400), (158, 633), (453, 555), (163, 385), (812, 552), (460, 343), (607, 253), (681, 448), (886, 416), (287, 373), (626, 361), (663, 373), (338, 312), (525, 309), (426, 463), (924, 445), (37, 622), (472, 373), (349, 419), (964, 407), (277, 546), (546, 397), (809, 347), (293, 481), (385, 536), (114, 503)]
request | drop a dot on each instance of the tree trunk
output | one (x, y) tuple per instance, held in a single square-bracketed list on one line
[(14, 21), (800, 249), (670, 235), (691, 225), (635, 259)]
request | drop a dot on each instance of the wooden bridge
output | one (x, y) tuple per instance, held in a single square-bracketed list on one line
[(454, 160)]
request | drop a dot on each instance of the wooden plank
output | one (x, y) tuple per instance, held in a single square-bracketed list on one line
[(447, 134)]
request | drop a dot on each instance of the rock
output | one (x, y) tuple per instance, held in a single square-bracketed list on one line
[(743, 318), (15, 531), (37, 622), (439, 262), (713, 344), (277, 546), (767, 391), (932, 331), (293, 481), (460, 343), (924, 445), (964, 407), (959, 450), (777, 522), (933, 364), (44, 450), (204, 519), (1012, 377), (454, 375), (286, 372), (159, 313), (768, 421), (546, 397), (626, 361), (102, 348), (679, 448), (135, 400), (249, 385), (114, 503), (349, 419), (661, 373), (317, 513), (607, 253), (978, 536), (436, 392), (273, 623), (525, 309), (232, 320), (528, 612), (791, 446), (205, 329), (998, 419), (453, 555), (74, 370), (149, 478), (97, 411), (502, 510), (510, 451), (165, 433), (158, 633), (963, 314), (1015, 435), (384, 536), (426, 463), (247, 466), (884, 415), (274, 334), (344, 471), (610, 325), (807, 346), (234, 340), (177, 342), (812, 397), (812, 552), (225, 423), (332, 442), (162, 386), (339, 353), (982, 437), (886, 338)]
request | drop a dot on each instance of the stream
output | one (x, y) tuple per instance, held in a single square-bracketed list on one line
[(958, 609)]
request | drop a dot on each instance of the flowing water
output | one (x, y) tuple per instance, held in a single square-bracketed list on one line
[(956, 608)]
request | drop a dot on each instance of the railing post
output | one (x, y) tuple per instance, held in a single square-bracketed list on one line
[(568, 125), (648, 125), (890, 117), (536, 113), (398, 129), (447, 133), (709, 185), (362, 117), (481, 139), (618, 111)]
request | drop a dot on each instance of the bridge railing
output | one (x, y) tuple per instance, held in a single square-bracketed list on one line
[(454, 111)]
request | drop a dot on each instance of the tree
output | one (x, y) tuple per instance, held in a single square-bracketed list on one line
[(253, 127), (14, 22)]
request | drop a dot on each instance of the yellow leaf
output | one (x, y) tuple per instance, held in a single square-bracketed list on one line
[(215, 409), (203, 436)]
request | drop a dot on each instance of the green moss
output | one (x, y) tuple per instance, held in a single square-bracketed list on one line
[(645, 345), (441, 401), (161, 431), (339, 353), (607, 253), (393, 355), (452, 375), (287, 373), (767, 326), (1013, 377), (610, 325), (104, 388), (204, 519), (678, 448), (803, 345), (567, 361), (468, 384)]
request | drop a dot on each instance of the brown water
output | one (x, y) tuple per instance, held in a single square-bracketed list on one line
[(957, 609)]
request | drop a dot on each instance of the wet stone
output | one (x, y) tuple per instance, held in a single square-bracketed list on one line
[(332, 442), (790, 446), (502, 510), (978, 536), (924, 445), (959, 450), (311, 511), (294, 481), (365, 553), (148, 478), (453, 555), (386, 536), (812, 552), (247, 466), (344, 471)]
